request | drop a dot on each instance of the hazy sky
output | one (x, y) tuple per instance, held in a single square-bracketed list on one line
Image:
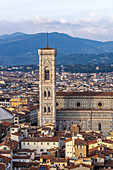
[(80, 18)]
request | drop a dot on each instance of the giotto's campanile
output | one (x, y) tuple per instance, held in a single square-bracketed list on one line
[(47, 85)]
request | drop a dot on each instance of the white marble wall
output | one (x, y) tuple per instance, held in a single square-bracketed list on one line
[(47, 59)]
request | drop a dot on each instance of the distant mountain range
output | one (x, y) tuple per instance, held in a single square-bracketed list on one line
[(22, 49)]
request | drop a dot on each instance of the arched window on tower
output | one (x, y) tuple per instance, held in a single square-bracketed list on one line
[(99, 126), (47, 74), (44, 93), (49, 94), (49, 110), (64, 128), (44, 109)]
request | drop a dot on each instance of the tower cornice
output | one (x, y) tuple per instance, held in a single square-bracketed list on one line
[(47, 51)]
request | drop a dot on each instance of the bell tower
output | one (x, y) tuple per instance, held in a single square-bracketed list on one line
[(47, 84)]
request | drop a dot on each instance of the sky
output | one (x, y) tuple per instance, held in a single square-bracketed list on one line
[(91, 19)]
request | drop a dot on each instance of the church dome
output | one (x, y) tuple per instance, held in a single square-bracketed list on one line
[(5, 116)]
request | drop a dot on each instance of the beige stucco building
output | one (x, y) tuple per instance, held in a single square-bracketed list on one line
[(40, 144)]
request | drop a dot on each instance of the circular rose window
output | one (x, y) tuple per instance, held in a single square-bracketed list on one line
[(57, 103), (100, 104), (78, 104)]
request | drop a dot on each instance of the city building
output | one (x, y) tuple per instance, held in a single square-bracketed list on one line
[(16, 101), (41, 145), (89, 110), (5, 101), (47, 85), (5, 116)]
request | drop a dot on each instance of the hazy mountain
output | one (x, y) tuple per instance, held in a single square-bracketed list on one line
[(80, 58), (10, 36), (20, 48)]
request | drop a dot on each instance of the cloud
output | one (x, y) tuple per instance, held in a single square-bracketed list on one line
[(94, 26)]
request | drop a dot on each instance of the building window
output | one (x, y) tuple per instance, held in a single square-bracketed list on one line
[(4, 148), (47, 77), (99, 126), (44, 93), (81, 146), (81, 155), (78, 146), (48, 93), (49, 109), (44, 109), (41, 150)]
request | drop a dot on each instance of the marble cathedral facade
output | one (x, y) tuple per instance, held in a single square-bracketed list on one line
[(90, 110)]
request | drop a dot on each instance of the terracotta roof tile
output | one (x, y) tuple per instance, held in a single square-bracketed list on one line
[(58, 160), (17, 133), (80, 142), (68, 140), (5, 159), (6, 123), (41, 139), (22, 157), (84, 94)]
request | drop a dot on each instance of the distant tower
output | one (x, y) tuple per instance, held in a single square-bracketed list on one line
[(47, 84)]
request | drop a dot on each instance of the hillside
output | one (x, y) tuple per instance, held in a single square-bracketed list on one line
[(80, 58), (20, 48)]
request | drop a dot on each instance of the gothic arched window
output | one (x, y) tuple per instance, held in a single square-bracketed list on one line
[(48, 109), (44, 109), (48, 93), (99, 126), (47, 74), (44, 93)]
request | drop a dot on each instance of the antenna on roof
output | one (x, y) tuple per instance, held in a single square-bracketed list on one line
[(47, 39)]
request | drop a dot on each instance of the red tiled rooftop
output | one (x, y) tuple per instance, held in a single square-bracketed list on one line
[(84, 93), (22, 157), (5, 159), (6, 123), (80, 142), (68, 140), (14, 126), (17, 133), (41, 139)]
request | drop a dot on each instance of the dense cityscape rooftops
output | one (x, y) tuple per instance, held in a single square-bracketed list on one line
[(45, 147)]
